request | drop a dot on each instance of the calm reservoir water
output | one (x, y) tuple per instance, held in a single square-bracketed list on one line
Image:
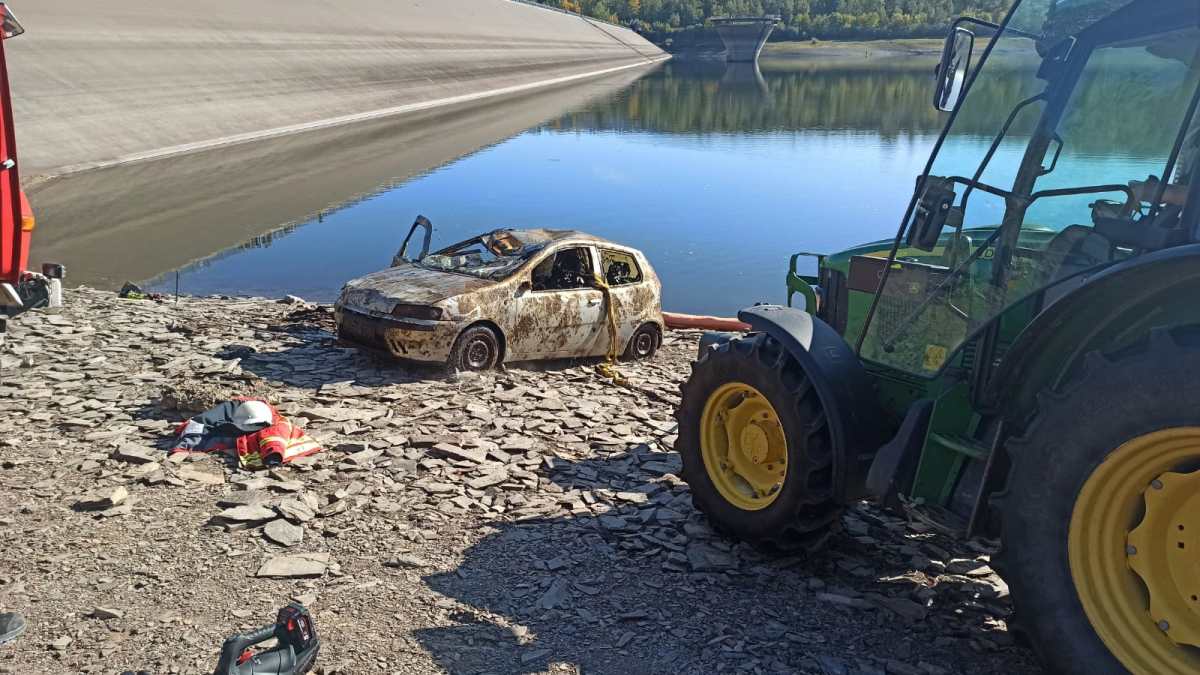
[(718, 173)]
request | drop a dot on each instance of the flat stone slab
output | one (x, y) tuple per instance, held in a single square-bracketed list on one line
[(200, 476), (284, 533), (136, 454), (103, 499), (293, 566), (250, 513)]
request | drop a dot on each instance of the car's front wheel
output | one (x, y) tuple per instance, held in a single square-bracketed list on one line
[(477, 348)]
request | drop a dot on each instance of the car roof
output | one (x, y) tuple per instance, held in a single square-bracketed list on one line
[(542, 235)]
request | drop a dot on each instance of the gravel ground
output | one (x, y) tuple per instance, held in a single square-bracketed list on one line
[(523, 521)]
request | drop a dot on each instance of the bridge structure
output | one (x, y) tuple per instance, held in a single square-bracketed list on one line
[(744, 36)]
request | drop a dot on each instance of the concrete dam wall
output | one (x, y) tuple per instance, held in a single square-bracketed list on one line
[(104, 84), (134, 221)]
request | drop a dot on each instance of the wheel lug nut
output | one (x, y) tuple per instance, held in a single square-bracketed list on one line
[(1156, 484), (1130, 550), (1164, 626)]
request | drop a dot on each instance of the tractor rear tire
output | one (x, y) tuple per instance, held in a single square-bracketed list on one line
[(756, 447), (1096, 508)]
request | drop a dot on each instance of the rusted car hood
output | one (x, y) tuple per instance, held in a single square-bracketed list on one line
[(379, 291)]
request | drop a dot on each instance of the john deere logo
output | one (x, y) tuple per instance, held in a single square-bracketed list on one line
[(935, 356)]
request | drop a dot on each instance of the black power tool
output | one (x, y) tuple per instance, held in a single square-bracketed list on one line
[(295, 653)]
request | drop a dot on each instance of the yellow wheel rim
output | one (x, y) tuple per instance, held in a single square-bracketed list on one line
[(1134, 550), (743, 446)]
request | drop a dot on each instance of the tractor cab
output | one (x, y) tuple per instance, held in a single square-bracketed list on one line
[(1019, 362), (1034, 209)]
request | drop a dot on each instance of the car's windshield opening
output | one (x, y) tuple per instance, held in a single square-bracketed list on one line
[(492, 256)]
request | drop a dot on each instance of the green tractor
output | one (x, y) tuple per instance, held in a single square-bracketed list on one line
[(1022, 361)]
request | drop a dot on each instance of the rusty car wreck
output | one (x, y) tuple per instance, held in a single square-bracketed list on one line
[(507, 295)]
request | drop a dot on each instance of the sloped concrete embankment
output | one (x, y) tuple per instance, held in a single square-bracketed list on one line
[(137, 220), (103, 84)]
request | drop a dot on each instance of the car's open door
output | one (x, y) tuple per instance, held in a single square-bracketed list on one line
[(403, 256)]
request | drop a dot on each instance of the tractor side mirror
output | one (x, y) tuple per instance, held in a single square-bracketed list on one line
[(934, 210), (402, 256), (951, 72)]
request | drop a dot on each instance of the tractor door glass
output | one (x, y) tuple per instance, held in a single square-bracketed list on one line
[(1119, 126)]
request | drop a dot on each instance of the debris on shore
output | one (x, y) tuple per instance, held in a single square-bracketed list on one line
[(529, 520)]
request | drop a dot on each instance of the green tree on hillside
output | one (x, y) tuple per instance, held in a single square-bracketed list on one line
[(800, 18)]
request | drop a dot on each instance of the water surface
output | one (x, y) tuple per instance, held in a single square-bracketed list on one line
[(718, 173)]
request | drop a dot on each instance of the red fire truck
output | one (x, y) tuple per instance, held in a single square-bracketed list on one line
[(19, 289)]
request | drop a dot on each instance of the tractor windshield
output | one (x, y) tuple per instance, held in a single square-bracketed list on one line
[(1082, 146)]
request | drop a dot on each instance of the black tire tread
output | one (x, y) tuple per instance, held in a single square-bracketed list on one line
[(815, 515), (1157, 361)]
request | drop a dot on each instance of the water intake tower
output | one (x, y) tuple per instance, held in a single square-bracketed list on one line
[(744, 36)]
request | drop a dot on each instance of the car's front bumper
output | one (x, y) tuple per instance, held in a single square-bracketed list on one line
[(411, 339)]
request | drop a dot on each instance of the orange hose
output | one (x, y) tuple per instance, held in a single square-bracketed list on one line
[(691, 321)]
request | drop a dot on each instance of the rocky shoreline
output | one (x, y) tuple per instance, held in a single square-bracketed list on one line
[(523, 521)]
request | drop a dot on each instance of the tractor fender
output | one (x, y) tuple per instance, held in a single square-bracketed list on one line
[(1105, 310), (842, 384)]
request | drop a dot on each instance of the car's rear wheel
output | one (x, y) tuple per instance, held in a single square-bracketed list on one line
[(477, 348), (644, 343)]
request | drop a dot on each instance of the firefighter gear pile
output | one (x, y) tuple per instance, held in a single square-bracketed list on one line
[(250, 429)]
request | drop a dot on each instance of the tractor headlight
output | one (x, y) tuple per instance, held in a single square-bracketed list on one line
[(423, 312)]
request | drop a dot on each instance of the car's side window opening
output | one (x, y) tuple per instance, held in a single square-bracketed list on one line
[(619, 268), (569, 268)]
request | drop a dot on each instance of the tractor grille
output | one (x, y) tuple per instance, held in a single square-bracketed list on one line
[(895, 311), (835, 304)]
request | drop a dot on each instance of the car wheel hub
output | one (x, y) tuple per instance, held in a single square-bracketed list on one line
[(644, 342), (478, 354)]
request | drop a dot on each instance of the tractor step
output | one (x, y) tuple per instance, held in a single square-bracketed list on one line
[(962, 445)]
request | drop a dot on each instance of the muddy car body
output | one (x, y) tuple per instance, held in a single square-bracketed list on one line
[(507, 295)]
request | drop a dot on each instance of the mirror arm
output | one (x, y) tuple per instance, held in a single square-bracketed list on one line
[(1089, 190), (1058, 140), (980, 23), (976, 185)]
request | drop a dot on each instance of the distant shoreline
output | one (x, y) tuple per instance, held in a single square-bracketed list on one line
[(830, 50), (913, 50), (853, 49)]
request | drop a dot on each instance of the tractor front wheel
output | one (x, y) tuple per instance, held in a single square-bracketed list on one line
[(755, 445), (1101, 529)]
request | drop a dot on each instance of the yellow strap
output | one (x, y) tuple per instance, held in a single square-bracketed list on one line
[(608, 369)]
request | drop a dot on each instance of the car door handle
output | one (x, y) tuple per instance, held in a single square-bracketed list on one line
[(593, 302)]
